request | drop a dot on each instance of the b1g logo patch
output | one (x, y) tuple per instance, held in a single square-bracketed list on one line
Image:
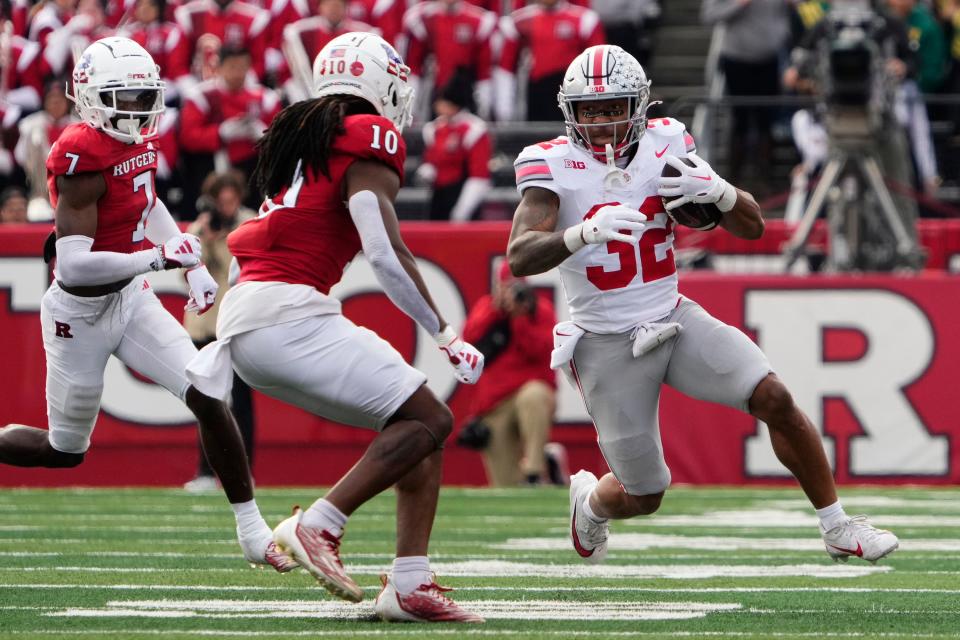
[(574, 164)]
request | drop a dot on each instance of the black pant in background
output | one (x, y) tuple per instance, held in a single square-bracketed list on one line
[(745, 79), (542, 103)]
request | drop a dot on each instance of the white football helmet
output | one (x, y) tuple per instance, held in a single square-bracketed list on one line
[(605, 72), (117, 89), (365, 65)]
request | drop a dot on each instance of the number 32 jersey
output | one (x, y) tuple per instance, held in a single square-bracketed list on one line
[(128, 171), (304, 234), (612, 287)]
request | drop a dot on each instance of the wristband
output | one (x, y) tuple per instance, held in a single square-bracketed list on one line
[(573, 238), (446, 336), (728, 199)]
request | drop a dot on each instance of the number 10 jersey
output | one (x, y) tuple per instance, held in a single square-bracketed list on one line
[(612, 287)]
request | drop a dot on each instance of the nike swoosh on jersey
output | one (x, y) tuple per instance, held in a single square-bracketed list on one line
[(662, 151)]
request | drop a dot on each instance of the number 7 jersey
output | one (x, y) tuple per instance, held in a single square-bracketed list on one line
[(128, 171), (612, 287)]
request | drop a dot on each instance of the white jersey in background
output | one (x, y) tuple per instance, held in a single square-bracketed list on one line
[(612, 287)]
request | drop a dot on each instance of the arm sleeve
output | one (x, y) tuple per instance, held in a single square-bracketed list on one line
[(396, 282), (160, 224), (78, 266)]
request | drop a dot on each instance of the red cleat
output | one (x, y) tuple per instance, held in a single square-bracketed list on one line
[(317, 551), (279, 560), (427, 604)]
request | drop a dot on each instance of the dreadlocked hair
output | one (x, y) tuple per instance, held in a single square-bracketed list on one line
[(303, 131)]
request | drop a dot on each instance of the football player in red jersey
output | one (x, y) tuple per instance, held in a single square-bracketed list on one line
[(110, 230), (596, 193), (331, 168)]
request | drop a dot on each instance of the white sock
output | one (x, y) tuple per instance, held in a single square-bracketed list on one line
[(410, 572), (323, 515), (250, 523), (832, 516), (587, 511), (252, 530)]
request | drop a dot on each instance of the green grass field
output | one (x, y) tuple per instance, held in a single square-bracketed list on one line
[(713, 563)]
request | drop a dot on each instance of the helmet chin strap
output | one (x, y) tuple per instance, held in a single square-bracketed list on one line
[(616, 177)]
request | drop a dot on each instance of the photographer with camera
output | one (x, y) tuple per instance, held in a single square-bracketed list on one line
[(220, 210), (512, 410)]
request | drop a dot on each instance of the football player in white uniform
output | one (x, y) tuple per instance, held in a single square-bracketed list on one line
[(591, 205)]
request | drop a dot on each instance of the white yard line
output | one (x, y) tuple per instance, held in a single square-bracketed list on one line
[(784, 518), (335, 609), (501, 589), (644, 541), (420, 632), (503, 568)]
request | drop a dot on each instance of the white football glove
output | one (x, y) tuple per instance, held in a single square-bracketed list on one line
[(203, 289), (607, 224), (181, 251), (699, 183), (467, 362)]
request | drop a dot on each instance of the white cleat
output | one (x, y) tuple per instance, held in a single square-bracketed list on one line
[(589, 538), (857, 537), (428, 603), (317, 551)]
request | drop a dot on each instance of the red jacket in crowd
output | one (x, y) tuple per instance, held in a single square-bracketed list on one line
[(459, 148), (526, 356), (497, 6), (238, 25), (24, 79), (166, 43), (385, 15), (457, 35), (205, 108), (554, 36)]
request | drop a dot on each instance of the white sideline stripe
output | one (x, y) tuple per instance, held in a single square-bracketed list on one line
[(129, 529), (643, 541), (298, 587), (502, 568), (459, 632), (487, 568), (60, 541), (948, 502), (163, 554), (782, 518), (332, 609), (122, 569), (152, 587)]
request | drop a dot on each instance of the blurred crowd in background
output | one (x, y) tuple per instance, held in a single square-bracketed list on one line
[(480, 67)]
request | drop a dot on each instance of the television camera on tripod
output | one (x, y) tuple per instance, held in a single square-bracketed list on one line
[(853, 58)]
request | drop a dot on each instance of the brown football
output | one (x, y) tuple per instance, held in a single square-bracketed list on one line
[(701, 217)]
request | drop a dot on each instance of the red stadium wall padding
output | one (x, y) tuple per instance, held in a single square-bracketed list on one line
[(872, 359)]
